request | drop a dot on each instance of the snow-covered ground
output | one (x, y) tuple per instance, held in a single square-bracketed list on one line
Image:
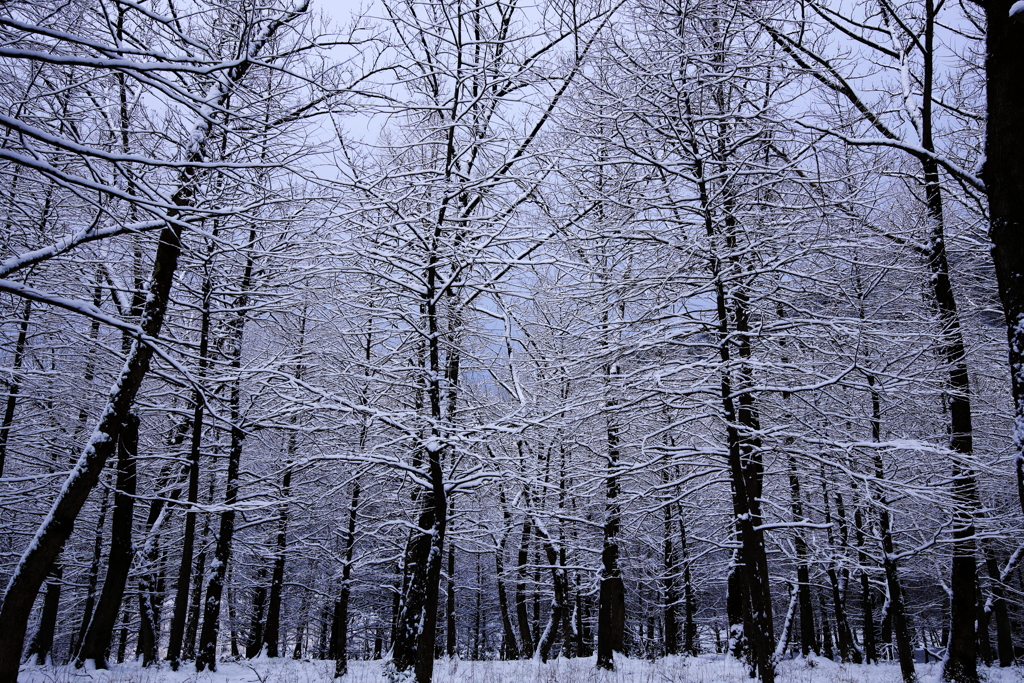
[(668, 670)]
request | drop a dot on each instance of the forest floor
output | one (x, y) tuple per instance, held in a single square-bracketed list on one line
[(666, 670)]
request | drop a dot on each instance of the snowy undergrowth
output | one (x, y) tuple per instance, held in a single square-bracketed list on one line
[(667, 670)]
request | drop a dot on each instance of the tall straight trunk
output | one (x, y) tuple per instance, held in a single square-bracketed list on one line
[(272, 630), (42, 642), (188, 651), (510, 649), (206, 653), (866, 600), (803, 573), (690, 640), (149, 564), (844, 636), (961, 659), (1004, 632), (101, 627), (339, 642), (611, 612), (254, 639), (1003, 174), (179, 616), (826, 628), (92, 577), (413, 649), (206, 657), (449, 606), (523, 619), (15, 386), (671, 596), (896, 613)]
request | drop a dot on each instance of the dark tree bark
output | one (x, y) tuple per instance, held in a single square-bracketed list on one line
[(254, 639), (1003, 173), (449, 606), (803, 572), (413, 648), (272, 630), (15, 385), (188, 651), (668, 584), (206, 656), (92, 578), (101, 626), (42, 642), (1004, 631), (510, 650), (339, 641), (181, 593), (523, 619), (611, 612), (897, 614), (38, 559)]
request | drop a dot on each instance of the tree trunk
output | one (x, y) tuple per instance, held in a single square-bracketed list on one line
[(803, 573), (1004, 633), (92, 578), (510, 649), (523, 619), (611, 613), (181, 594), (195, 602), (254, 641), (340, 635), (1003, 173), (15, 386), (449, 606), (206, 657), (669, 586), (42, 642), (896, 613), (101, 627)]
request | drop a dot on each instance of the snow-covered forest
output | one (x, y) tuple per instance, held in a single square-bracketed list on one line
[(477, 330)]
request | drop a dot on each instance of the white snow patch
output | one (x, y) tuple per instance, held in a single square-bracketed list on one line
[(703, 669)]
